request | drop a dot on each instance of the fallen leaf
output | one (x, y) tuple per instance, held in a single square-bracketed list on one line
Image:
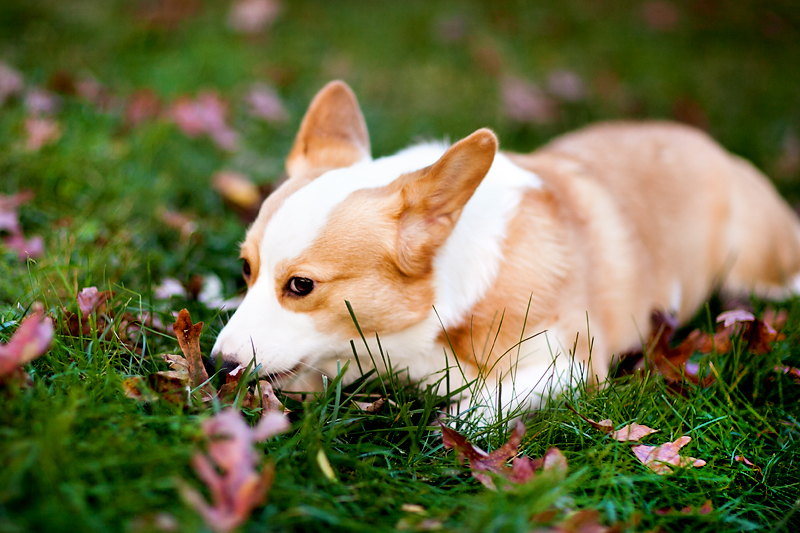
[(788, 163), (660, 15), (166, 14), (136, 388), (705, 509), (11, 82), (90, 300), (729, 318), (371, 407), (661, 459), (631, 432), (205, 115), (32, 339), (237, 189), (168, 288), (41, 102), (182, 222), (481, 463), (265, 104), (40, 132), (412, 508), (525, 102), (325, 465), (566, 85), (142, 106), (239, 488), (189, 340), (25, 248), (253, 16), (583, 521)]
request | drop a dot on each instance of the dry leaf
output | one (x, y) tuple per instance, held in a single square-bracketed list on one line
[(168, 288), (189, 340), (631, 432), (583, 521), (661, 459), (240, 487), (566, 85), (253, 16), (166, 14), (704, 509), (481, 463), (237, 189), (40, 132), (142, 106), (660, 15), (11, 82), (265, 104), (25, 248), (31, 340), (372, 407), (205, 115), (525, 102), (40, 102)]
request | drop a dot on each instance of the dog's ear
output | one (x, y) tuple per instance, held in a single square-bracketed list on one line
[(433, 198), (333, 133)]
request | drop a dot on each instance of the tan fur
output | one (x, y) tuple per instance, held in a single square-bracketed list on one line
[(630, 217)]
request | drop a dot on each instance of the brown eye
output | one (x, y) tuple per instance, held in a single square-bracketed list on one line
[(246, 268), (300, 286)]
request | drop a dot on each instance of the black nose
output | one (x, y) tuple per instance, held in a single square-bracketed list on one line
[(218, 363)]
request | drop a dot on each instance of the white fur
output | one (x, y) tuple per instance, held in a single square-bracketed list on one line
[(465, 267), (467, 264)]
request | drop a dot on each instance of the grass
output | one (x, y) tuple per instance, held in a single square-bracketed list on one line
[(77, 455)]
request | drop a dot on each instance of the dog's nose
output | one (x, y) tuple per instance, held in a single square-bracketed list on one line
[(218, 362)]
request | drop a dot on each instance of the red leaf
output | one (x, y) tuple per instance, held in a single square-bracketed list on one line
[(32, 339), (239, 488), (482, 463)]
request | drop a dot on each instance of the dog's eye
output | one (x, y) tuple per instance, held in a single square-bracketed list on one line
[(300, 286), (246, 268)]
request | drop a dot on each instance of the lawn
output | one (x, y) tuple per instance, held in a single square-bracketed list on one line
[(100, 125)]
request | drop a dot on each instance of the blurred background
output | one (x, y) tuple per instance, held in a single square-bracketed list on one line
[(146, 130)]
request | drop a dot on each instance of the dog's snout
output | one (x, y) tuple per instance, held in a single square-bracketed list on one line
[(217, 362)]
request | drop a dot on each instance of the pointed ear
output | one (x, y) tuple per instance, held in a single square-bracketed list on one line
[(434, 197), (333, 133)]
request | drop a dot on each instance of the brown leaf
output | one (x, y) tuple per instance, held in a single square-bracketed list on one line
[(189, 340), (584, 521), (670, 362), (661, 459), (660, 15), (142, 106), (136, 388), (372, 407), (237, 189), (482, 463), (166, 14), (631, 432)]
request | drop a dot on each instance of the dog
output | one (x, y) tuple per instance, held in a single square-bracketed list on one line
[(528, 271)]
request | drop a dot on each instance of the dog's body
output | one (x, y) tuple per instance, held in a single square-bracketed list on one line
[(464, 252)]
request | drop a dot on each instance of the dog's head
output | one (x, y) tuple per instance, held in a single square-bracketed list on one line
[(345, 227)]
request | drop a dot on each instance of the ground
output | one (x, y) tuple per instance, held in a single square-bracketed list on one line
[(126, 112)]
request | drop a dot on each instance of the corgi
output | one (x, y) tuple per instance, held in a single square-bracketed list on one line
[(525, 271)]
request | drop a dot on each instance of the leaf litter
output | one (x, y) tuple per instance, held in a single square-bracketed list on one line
[(229, 468)]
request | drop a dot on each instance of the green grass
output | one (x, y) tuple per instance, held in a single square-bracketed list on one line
[(77, 455)]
